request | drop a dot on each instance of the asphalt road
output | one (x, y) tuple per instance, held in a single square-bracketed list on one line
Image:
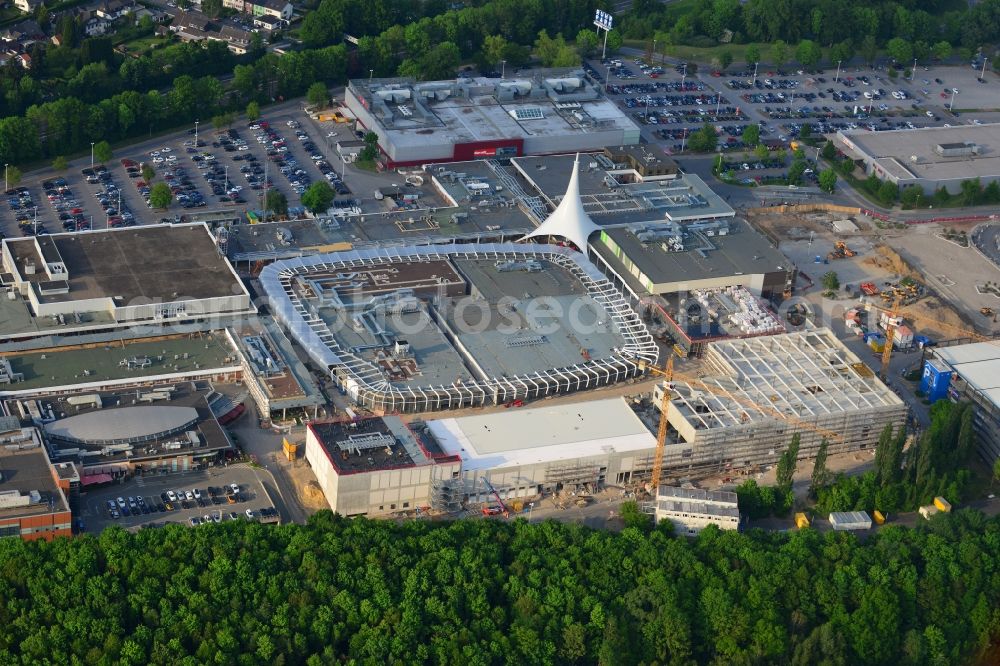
[(265, 444), (987, 238)]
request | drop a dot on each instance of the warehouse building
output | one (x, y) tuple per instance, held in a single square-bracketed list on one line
[(541, 112), (929, 157), (100, 362), (624, 185), (969, 372), (691, 509), (380, 466), (412, 329), (110, 279), (34, 500), (757, 392), (377, 467), (545, 449), (667, 258)]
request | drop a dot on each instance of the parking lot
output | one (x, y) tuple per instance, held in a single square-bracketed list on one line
[(669, 104), (191, 498), (226, 169)]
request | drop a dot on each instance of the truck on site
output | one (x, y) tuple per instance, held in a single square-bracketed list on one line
[(801, 520), (927, 511), (942, 504), (879, 517), (500, 507)]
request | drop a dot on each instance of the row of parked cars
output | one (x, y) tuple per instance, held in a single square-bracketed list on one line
[(217, 517), (173, 500), (24, 210), (65, 204), (279, 153), (109, 196)]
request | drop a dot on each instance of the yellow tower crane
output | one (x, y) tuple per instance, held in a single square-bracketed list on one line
[(667, 372), (894, 314), (890, 333)]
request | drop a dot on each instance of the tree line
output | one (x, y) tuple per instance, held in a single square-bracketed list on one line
[(909, 29), (102, 95), (492, 592), (908, 472)]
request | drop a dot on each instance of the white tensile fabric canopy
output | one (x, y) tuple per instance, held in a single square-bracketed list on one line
[(569, 220)]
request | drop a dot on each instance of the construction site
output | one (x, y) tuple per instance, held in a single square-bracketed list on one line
[(735, 416), (753, 394), (939, 283)]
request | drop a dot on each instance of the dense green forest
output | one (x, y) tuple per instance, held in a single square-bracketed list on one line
[(490, 592)]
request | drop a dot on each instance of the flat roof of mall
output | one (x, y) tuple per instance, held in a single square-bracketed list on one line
[(25, 470), (543, 434), (978, 364), (743, 251), (501, 352), (397, 450), (192, 395), (163, 262), (481, 117), (502, 343), (685, 197), (95, 363), (894, 151)]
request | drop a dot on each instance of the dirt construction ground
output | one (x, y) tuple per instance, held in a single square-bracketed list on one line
[(951, 272)]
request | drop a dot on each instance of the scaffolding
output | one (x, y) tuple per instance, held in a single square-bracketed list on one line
[(758, 392), (573, 472)]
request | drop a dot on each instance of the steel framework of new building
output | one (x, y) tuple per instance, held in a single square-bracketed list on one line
[(368, 386), (758, 392)]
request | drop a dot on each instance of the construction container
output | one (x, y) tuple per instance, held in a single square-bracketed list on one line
[(879, 518), (928, 511), (801, 521), (902, 337), (942, 504), (850, 520), (935, 380)]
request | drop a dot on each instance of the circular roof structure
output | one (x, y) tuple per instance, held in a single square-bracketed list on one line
[(129, 424)]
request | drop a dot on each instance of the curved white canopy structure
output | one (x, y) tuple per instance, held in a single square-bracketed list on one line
[(569, 220)]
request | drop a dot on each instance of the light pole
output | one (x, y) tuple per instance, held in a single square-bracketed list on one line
[(982, 75), (837, 77), (503, 68), (91, 155), (913, 72), (684, 76), (652, 57), (755, 74), (36, 220), (951, 106), (5, 188), (196, 134), (371, 73), (227, 179)]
